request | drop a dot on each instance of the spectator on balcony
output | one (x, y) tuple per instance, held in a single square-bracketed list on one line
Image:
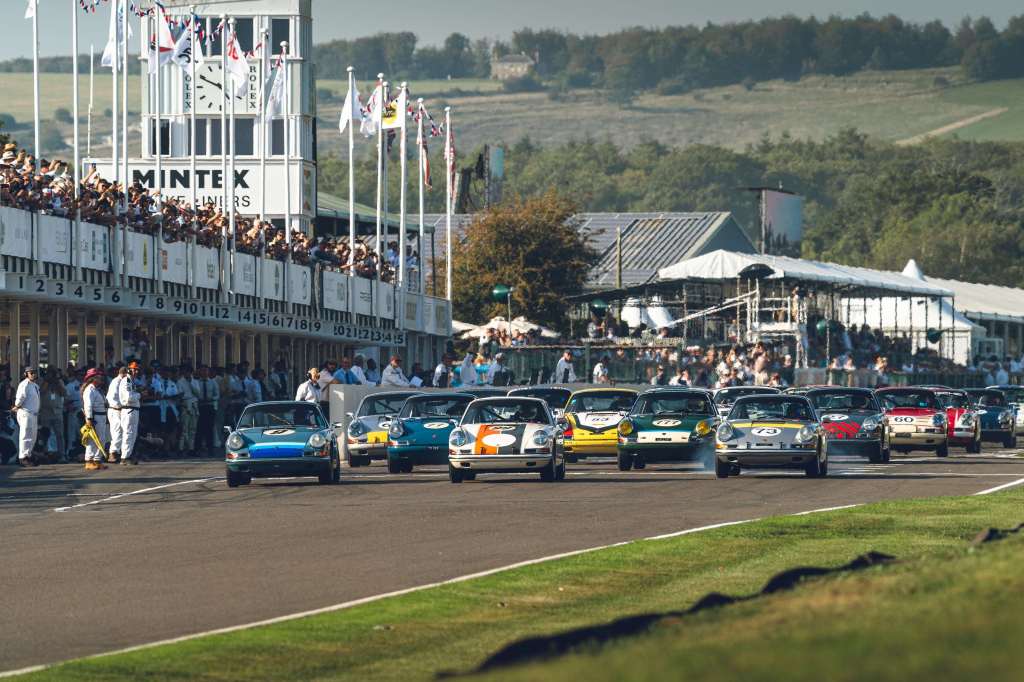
[(357, 369), (372, 374), (393, 375)]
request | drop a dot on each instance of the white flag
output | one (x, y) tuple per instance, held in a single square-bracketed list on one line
[(238, 67), (371, 122), (115, 35), (275, 102), (30, 10), (182, 55), (395, 113), (162, 49), (351, 111)]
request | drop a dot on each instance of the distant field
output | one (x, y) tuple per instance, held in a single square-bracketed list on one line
[(894, 105)]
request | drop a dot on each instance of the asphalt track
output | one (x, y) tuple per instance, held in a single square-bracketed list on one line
[(98, 562)]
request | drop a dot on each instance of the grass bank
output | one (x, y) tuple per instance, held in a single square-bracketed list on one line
[(942, 609)]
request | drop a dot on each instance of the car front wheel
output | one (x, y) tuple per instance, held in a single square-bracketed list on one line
[(625, 461), (1010, 441), (394, 466), (454, 475), (942, 450), (722, 469), (235, 479)]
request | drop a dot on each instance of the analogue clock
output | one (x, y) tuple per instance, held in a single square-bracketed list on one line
[(210, 97)]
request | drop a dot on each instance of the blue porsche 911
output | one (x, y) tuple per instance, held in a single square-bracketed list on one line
[(419, 435)]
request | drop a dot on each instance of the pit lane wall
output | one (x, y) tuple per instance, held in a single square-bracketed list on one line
[(53, 259)]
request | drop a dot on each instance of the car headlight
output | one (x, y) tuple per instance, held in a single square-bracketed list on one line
[(235, 442), (625, 427), (356, 429), (871, 424), (541, 438), (458, 438), (702, 429), (1005, 417), (806, 434), (726, 432), (939, 420), (396, 429), (317, 441)]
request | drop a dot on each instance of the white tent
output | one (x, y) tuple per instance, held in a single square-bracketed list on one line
[(654, 314), (519, 324), (720, 264)]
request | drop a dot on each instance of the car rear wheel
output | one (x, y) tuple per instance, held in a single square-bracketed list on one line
[(722, 469), (942, 450), (625, 461), (974, 447), (235, 479), (454, 475), (1010, 441)]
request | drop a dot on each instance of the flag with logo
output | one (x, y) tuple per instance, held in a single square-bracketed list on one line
[(352, 110), (182, 55), (116, 36), (371, 117), (161, 49), (274, 106), (394, 113), (238, 67)]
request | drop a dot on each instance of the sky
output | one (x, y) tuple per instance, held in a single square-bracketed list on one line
[(432, 21)]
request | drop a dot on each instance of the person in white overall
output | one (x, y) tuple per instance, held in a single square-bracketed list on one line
[(94, 406), (114, 414), (26, 408), (128, 396)]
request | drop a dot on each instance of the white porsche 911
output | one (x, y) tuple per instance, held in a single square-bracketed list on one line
[(513, 434)]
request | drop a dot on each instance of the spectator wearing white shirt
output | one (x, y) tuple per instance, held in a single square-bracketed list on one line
[(309, 390), (564, 372), (26, 409), (357, 369), (601, 374), (392, 375)]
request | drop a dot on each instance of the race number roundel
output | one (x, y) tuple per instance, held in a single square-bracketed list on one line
[(665, 423), (903, 420), (279, 432), (766, 431), (499, 440), (436, 425), (836, 417)]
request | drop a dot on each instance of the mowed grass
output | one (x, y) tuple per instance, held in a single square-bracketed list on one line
[(944, 610), (1008, 126)]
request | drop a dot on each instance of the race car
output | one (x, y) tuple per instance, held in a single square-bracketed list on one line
[(591, 419), (772, 431), (915, 419), (555, 396), (419, 434), (963, 427), (852, 421), (725, 397), (368, 431), (997, 422), (667, 425), (274, 439), (1015, 399), (510, 434)]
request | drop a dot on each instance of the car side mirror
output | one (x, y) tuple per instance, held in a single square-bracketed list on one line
[(338, 425), (227, 430), (350, 415)]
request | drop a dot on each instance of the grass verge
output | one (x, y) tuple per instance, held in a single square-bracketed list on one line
[(943, 609)]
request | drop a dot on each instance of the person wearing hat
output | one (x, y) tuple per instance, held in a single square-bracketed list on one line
[(564, 372), (498, 374), (114, 414), (309, 390), (129, 397), (26, 408), (94, 405), (392, 375)]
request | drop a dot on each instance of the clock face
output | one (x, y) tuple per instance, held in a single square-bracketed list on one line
[(210, 95)]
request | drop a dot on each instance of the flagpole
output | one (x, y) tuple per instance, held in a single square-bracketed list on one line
[(380, 163), (449, 163), (384, 167), (225, 259), (351, 175), (88, 127), (35, 78), (262, 140), (123, 40), (193, 184), (230, 91), (421, 141), (74, 114), (118, 236), (157, 257), (288, 170), (403, 173)]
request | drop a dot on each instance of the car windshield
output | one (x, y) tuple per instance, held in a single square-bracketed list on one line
[(992, 399), (269, 416), (441, 408), (1014, 395), (601, 402), (956, 401), (496, 411), (917, 399), (773, 407), (843, 400), (555, 397), (667, 403), (727, 396), (385, 404)]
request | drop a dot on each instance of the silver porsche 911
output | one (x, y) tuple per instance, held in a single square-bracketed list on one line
[(775, 431)]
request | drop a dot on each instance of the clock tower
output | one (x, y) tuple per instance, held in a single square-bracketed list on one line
[(262, 166)]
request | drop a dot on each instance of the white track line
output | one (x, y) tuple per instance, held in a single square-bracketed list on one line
[(134, 492), (398, 593), (1004, 486)]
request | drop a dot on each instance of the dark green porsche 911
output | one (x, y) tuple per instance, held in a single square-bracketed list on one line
[(668, 425)]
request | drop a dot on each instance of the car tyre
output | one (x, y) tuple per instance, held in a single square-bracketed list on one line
[(571, 459), (813, 468), (235, 479), (1010, 441), (877, 457), (942, 450), (407, 468), (722, 469), (394, 466), (550, 472), (974, 447), (468, 475), (335, 473), (639, 462), (326, 477), (625, 461), (454, 475), (560, 471)]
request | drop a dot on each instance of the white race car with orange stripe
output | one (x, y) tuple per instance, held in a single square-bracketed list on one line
[(506, 434)]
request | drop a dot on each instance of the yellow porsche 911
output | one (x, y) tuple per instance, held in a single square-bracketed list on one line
[(590, 421)]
